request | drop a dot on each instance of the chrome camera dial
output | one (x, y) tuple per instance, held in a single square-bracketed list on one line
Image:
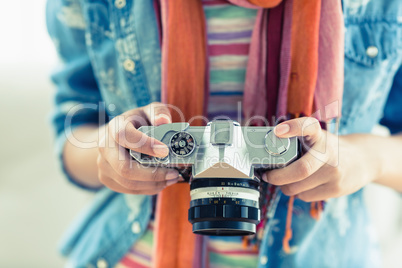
[(182, 144)]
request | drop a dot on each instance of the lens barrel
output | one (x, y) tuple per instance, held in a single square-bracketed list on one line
[(224, 206)]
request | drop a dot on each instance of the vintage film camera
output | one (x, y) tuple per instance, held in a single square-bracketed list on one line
[(223, 161)]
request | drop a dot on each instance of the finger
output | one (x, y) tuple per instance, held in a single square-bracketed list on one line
[(299, 127), (319, 193), (157, 114), (144, 185), (125, 134), (141, 183), (121, 163), (114, 186), (309, 183), (298, 170)]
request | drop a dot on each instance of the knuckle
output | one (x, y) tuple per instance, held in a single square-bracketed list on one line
[(336, 176), (160, 185), (336, 187), (102, 178), (292, 189), (314, 121), (129, 185), (121, 135), (158, 175), (272, 178), (299, 122), (310, 123), (158, 105), (285, 190), (123, 169), (152, 107), (305, 168)]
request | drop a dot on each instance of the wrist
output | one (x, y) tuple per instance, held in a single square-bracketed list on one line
[(381, 157), (366, 152), (80, 155)]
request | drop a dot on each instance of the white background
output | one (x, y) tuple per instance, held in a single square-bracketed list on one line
[(36, 203)]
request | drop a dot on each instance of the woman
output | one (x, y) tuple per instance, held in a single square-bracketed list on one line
[(112, 56)]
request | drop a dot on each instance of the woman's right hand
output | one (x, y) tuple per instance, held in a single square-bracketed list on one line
[(117, 170)]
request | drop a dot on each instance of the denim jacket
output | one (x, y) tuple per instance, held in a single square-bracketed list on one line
[(111, 63)]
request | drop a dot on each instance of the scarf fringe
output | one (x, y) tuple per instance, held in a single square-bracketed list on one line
[(288, 231), (316, 209)]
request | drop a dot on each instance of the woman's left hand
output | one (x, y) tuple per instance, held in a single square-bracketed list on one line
[(333, 166)]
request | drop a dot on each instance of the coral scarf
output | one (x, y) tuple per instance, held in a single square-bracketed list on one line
[(185, 85)]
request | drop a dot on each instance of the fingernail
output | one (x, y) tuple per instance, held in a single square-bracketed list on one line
[(281, 129), (172, 175), (264, 177), (164, 116), (168, 183), (160, 149)]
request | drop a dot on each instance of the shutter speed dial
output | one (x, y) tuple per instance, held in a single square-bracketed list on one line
[(182, 144), (275, 145)]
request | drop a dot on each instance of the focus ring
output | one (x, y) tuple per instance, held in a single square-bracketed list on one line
[(223, 201), (214, 212)]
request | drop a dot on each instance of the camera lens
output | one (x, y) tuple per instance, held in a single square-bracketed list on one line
[(224, 206)]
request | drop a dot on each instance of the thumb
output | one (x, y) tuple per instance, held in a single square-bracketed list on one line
[(157, 114), (300, 127)]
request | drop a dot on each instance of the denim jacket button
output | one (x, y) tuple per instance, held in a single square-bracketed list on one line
[(120, 3), (102, 263), (135, 227), (372, 51), (129, 65), (264, 260)]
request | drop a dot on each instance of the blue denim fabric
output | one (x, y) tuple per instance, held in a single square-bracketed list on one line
[(393, 109), (111, 63)]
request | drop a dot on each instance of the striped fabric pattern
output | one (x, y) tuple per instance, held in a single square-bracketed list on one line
[(229, 30), (140, 255), (222, 253), (229, 252)]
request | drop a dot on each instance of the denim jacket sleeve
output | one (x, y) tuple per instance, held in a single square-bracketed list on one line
[(392, 117), (373, 54), (77, 98)]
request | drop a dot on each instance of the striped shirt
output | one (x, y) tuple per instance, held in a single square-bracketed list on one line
[(229, 30), (140, 255), (222, 253)]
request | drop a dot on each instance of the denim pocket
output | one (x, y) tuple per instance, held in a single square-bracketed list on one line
[(371, 42), (372, 56)]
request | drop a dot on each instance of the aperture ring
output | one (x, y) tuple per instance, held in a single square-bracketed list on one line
[(224, 192), (224, 182)]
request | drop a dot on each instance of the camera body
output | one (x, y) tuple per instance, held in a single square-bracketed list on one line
[(224, 161)]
